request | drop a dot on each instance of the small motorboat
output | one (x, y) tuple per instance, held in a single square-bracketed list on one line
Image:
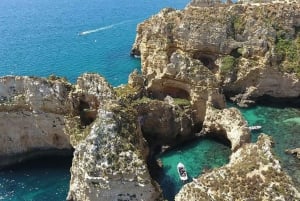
[(254, 128), (182, 172)]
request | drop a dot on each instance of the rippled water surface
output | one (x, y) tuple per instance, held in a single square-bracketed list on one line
[(282, 123), (198, 156), (42, 37), (36, 180)]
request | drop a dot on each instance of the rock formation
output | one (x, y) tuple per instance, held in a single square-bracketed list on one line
[(110, 163), (228, 122), (32, 112), (40, 116), (253, 173), (247, 49), (110, 157)]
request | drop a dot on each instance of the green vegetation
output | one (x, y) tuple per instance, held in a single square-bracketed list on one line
[(75, 130), (289, 50), (228, 64), (181, 102), (238, 25)]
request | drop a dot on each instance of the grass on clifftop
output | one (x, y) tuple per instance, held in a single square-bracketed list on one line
[(228, 64), (290, 51)]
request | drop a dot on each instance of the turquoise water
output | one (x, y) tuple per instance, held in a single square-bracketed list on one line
[(198, 156), (36, 180), (283, 124), (41, 37)]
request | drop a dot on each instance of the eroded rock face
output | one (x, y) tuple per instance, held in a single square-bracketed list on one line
[(40, 114), (32, 116), (242, 47), (165, 123), (229, 123), (253, 173), (110, 163), (91, 93)]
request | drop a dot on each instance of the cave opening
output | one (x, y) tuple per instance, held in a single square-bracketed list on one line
[(171, 91), (208, 60), (235, 53), (87, 113)]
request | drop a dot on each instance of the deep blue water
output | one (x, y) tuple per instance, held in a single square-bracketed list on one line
[(36, 180), (40, 37)]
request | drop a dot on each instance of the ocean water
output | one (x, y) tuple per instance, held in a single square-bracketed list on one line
[(197, 156), (283, 124), (36, 180), (41, 37)]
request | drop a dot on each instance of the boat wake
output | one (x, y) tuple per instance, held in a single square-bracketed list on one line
[(95, 30), (105, 27)]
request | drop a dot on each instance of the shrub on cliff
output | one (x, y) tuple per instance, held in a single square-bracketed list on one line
[(290, 50), (228, 64)]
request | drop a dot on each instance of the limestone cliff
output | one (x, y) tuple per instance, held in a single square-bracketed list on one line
[(41, 115), (253, 173), (246, 49), (229, 123), (109, 164), (32, 112)]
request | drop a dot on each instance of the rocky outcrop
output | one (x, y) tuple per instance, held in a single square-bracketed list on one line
[(253, 173), (47, 114), (32, 112), (245, 48), (90, 93), (40, 116), (229, 123), (109, 164)]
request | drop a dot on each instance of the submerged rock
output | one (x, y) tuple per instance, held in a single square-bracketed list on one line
[(295, 152), (253, 173)]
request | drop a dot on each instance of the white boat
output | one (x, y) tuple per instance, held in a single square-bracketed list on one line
[(253, 128), (182, 172)]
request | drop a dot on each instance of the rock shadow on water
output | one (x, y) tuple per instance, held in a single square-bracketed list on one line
[(37, 179), (198, 156)]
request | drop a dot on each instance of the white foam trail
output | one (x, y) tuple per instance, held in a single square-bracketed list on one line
[(96, 30), (104, 28)]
